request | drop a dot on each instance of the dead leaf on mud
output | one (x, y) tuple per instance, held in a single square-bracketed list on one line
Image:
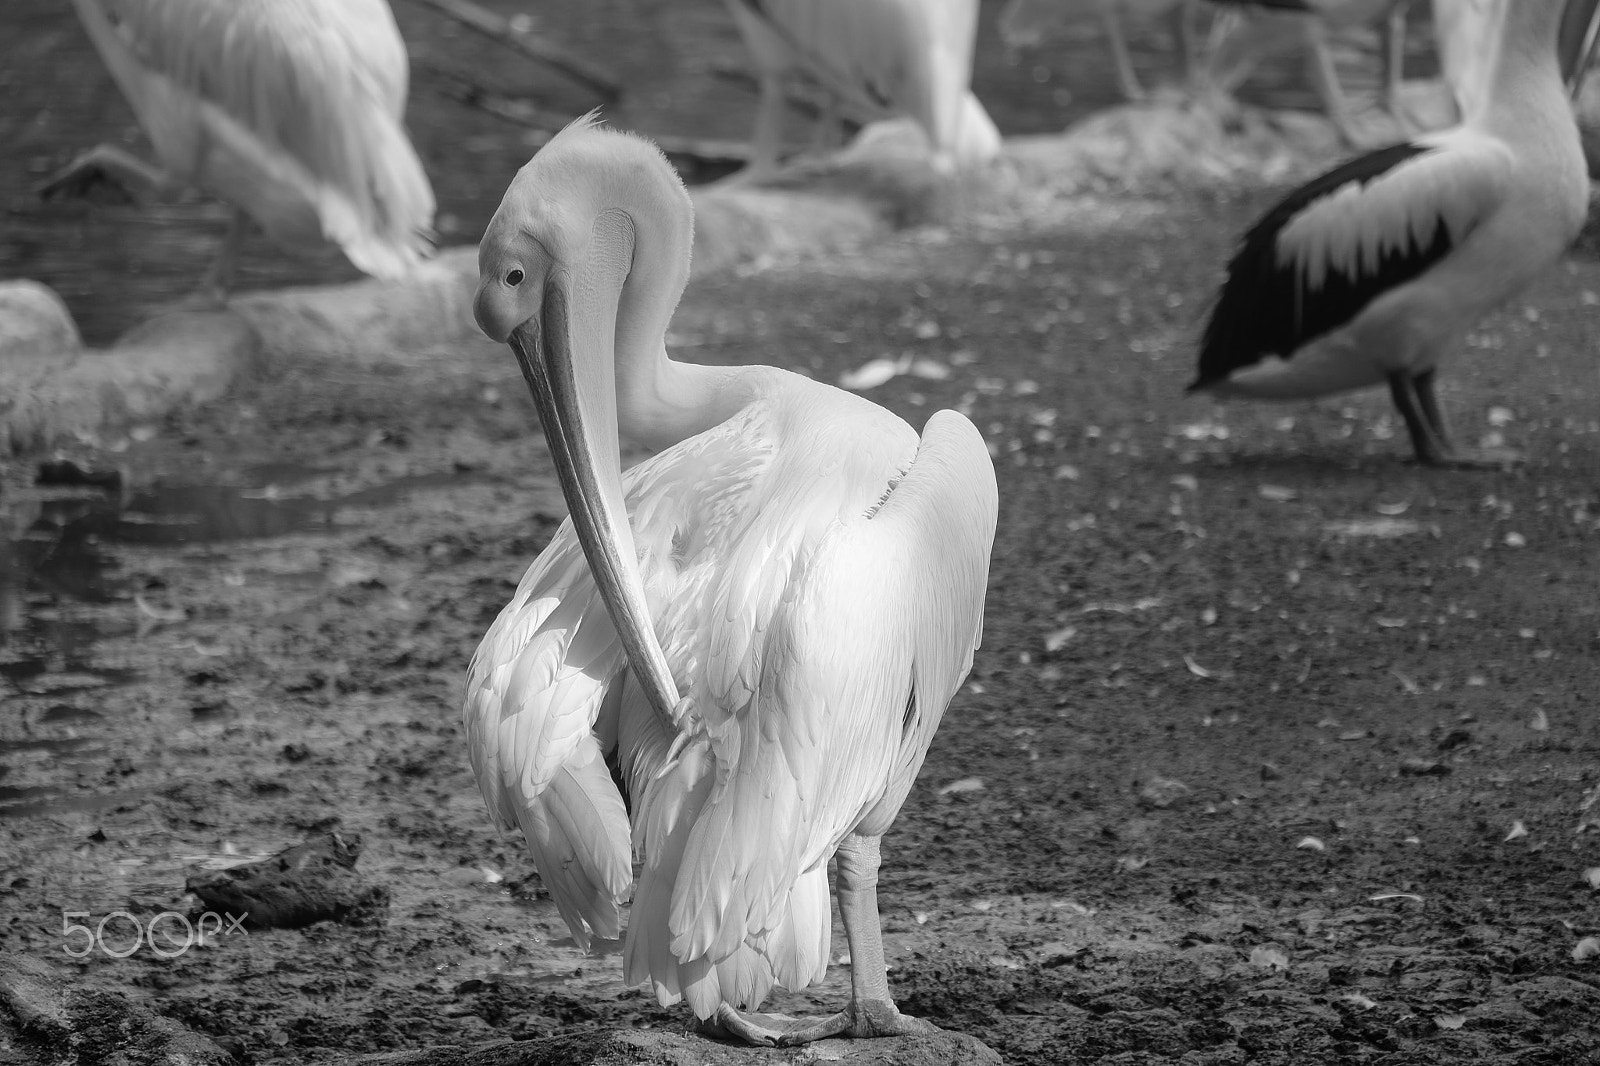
[(1450, 1021), (965, 784), (1382, 528), (1163, 792), (1266, 957), (158, 614), (1056, 640)]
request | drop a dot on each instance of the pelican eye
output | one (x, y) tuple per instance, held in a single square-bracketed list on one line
[(513, 277)]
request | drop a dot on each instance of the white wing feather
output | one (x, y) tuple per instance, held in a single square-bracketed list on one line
[(1457, 185)]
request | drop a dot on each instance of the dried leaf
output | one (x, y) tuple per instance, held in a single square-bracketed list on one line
[(1269, 958), (1373, 527), (1056, 640), (871, 374), (159, 614), (965, 784)]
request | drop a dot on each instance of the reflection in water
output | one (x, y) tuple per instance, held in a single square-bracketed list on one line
[(57, 551)]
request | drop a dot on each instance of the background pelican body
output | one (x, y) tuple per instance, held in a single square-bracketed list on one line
[(291, 110), (814, 576)]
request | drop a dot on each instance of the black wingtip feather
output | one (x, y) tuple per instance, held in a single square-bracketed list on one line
[(1260, 310)]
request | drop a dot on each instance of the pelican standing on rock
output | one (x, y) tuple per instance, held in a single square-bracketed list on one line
[(876, 58), (1374, 271), (757, 630), (289, 110)]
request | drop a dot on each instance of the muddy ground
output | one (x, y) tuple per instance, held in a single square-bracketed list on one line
[(1279, 749)]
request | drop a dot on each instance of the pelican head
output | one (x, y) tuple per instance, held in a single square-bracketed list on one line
[(554, 272)]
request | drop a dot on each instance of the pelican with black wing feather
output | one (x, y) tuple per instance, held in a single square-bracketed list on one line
[(1375, 271)]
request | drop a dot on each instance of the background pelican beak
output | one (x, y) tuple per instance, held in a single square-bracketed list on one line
[(577, 407)]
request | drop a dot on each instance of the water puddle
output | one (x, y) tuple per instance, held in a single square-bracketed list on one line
[(58, 555)]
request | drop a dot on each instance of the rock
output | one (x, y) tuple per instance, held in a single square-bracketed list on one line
[(44, 1018), (34, 323), (175, 359), (311, 882), (627, 1047)]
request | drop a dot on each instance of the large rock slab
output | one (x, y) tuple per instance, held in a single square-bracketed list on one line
[(51, 387), (647, 1047), (48, 1019)]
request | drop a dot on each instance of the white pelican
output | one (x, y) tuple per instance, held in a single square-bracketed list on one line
[(289, 110), (758, 628), (1375, 270), (876, 58)]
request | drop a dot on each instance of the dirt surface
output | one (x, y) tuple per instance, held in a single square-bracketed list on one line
[(1279, 749)]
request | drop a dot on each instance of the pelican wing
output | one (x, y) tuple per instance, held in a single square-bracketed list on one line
[(873, 634), (254, 98), (1337, 243), (537, 737)]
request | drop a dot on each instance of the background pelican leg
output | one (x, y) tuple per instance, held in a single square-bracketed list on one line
[(1127, 80), (214, 287), (770, 112), (109, 166)]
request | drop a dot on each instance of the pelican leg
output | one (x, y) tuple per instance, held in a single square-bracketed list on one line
[(1127, 80), (214, 287), (768, 139), (1325, 80), (871, 1011), (107, 166), (1418, 404), (1394, 66), (1184, 37)]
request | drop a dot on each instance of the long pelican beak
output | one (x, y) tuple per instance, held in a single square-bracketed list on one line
[(577, 406)]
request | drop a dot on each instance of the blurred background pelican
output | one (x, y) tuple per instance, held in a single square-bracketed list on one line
[(873, 59), (290, 111)]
